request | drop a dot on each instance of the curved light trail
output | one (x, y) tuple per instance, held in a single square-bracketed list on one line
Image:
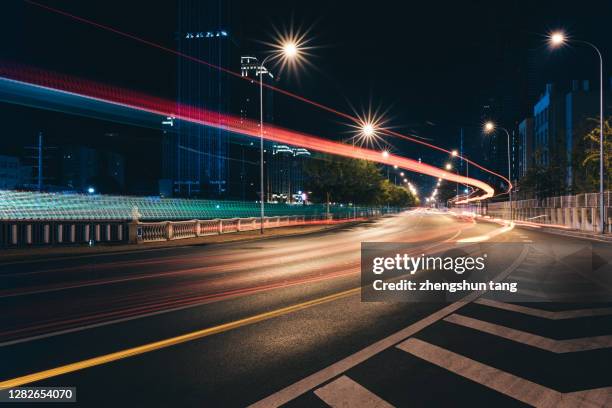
[(354, 119), (163, 107)]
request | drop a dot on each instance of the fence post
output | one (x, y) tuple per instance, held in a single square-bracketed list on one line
[(133, 232), (169, 231), (29, 234), (14, 236), (238, 225), (220, 226)]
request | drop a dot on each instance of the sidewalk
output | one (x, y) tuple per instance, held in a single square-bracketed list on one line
[(18, 254)]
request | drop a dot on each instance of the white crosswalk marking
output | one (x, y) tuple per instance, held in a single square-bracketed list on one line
[(546, 314), (344, 392), (533, 340), (508, 384)]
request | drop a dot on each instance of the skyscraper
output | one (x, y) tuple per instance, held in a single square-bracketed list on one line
[(195, 158)]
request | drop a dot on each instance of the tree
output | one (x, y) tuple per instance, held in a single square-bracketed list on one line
[(586, 157), (340, 179)]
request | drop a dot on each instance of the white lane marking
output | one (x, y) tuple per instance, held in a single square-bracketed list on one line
[(125, 319), (533, 340), (546, 314), (314, 380), (345, 392), (508, 384)]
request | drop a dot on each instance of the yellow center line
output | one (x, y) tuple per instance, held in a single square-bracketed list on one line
[(134, 351)]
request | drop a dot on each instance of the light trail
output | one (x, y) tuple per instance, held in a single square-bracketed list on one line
[(354, 119), (165, 108)]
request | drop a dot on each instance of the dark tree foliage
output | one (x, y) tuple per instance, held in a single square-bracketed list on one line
[(345, 180)]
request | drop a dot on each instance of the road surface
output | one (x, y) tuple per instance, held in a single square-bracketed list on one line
[(280, 321)]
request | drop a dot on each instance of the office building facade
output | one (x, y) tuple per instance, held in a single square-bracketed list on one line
[(195, 157)]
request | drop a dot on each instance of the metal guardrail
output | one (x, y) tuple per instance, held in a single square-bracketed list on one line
[(586, 200), (577, 212)]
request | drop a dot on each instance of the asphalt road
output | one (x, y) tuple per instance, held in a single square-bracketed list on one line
[(270, 320)]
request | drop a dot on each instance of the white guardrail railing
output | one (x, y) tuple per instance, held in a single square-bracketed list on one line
[(171, 230)]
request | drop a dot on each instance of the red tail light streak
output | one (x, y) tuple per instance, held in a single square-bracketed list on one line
[(138, 101)]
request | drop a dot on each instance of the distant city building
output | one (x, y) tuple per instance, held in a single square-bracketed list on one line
[(247, 150), (581, 103), (83, 168), (525, 147), (286, 173), (10, 172), (560, 122), (549, 127), (195, 157)]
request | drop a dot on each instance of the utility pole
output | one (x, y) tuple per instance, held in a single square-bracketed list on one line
[(40, 160)]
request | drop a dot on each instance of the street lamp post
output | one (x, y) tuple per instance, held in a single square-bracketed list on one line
[(490, 127), (261, 146), (557, 39), (288, 50)]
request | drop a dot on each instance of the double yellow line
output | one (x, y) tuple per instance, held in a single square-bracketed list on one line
[(134, 351)]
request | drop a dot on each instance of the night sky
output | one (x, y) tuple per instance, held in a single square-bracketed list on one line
[(432, 64)]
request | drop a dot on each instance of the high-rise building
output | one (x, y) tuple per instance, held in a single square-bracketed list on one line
[(549, 128), (525, 147), (244, 182), (195, 157), (581, 103), (286, 173)]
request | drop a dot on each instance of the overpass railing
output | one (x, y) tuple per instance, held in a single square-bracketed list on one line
[(579, 212)]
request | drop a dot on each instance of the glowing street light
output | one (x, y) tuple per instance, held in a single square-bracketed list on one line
[(368, 130), (290, 49), (556, 40), (385, 154), (405, 180), (448, 166), (402, 174), (454, 153)]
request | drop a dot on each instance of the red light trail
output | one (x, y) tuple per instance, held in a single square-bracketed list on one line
[(273, 88), (163, 107)]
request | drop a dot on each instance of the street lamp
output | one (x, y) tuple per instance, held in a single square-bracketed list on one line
[(288, 50), (558, 39), (368, 130), (490, 127), (454, 153), (448, 166)]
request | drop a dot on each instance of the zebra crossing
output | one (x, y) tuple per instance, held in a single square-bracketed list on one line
[(486, 352)]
